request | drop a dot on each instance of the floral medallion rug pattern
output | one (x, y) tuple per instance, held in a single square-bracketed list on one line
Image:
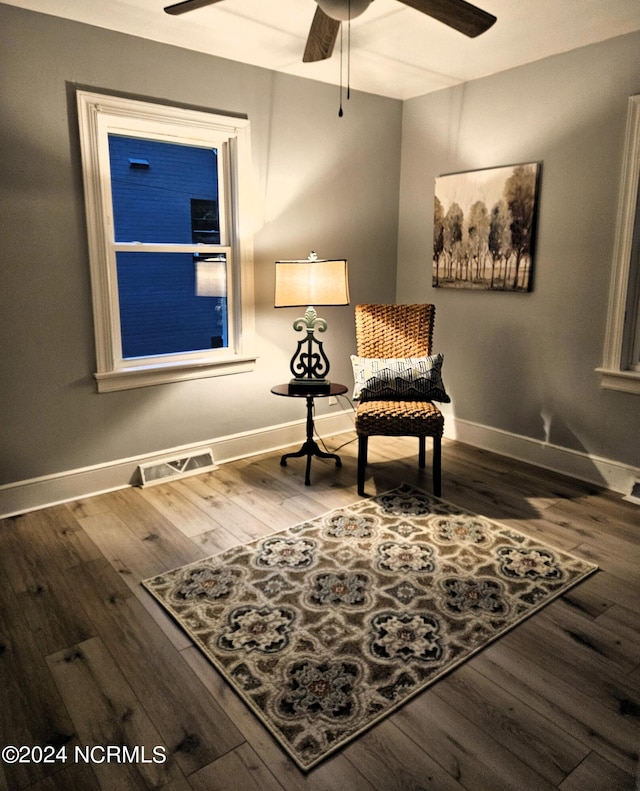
[(329, 626)]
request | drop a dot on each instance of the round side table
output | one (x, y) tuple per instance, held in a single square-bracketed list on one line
[(310, 447)]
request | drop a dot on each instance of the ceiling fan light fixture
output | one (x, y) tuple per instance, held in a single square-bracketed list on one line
[(343, 9)]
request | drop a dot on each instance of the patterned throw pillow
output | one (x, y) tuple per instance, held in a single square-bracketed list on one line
[(405, 378)]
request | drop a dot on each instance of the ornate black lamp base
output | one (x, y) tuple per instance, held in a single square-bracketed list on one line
[(309, 365), (318, 386)]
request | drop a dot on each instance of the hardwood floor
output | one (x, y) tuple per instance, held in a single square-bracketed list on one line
[(88, 659)]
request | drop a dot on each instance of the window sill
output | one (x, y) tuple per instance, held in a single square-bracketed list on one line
[(624, 381), (146, 376)]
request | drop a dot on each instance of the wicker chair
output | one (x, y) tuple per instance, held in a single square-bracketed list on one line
[(397, 331)]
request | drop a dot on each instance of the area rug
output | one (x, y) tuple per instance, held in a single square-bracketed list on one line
[(327, 627)]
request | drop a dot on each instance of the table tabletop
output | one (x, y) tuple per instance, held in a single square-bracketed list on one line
[(335, 389)]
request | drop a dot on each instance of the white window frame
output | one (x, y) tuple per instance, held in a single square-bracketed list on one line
[(100, 115), (620, 368)]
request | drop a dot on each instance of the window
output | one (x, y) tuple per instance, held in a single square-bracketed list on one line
[(166, 192), (621, 365)]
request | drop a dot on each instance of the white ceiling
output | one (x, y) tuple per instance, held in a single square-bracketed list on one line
[(395, 50)]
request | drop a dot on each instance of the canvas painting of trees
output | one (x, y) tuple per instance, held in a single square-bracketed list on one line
[(484, 228)]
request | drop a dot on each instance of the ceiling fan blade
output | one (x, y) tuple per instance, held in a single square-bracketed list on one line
[(322, 37), (458, 14), (188, 5)]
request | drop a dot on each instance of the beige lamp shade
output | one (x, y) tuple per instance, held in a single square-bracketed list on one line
[(311, 282)]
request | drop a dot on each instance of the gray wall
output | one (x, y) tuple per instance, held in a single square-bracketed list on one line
[(323, 183), (524, 363), (519, 363)]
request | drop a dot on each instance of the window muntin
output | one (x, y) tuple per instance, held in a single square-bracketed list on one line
[(166, 192)]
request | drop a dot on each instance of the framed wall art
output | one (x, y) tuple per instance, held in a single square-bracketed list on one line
[(484, 228)]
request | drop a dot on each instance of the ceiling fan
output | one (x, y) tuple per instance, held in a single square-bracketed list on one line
[(330, 14)]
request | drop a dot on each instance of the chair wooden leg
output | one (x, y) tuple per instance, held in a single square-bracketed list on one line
[(422, 453), (437, 466), (363, 442)]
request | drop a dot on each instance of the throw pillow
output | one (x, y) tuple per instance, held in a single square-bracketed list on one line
[(405, 378)]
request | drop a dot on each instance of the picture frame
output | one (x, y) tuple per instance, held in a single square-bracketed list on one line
[(485, 228)]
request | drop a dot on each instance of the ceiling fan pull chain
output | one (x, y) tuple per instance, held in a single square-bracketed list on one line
[(340, 113), (349, 55)]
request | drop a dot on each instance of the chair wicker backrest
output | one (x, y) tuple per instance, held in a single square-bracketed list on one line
[(394, 330)]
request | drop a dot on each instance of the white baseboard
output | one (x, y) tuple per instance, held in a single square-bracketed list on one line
[(23, 496), (577, 464), (30, 495)]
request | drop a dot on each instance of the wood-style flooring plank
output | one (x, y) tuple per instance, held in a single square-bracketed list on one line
[(623, 592), (148, 525), (621, 621), (499, 492), (391, 761), (614, 556), (239, 770), (188, 518), (597, 774), (139, 554), (464, 749), (72, 776), (57, 528), (106, 714), (232, 478), (608, 730), (538, 742), (603, 515), (48, 601), (31, 709), (223, 509), (587, 601), (133, 558), (488, 467), (606, 651), (189, 721), (215, 541), (577, 661)]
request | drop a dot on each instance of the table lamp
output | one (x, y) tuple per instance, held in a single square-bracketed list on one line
[(311, 282)]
